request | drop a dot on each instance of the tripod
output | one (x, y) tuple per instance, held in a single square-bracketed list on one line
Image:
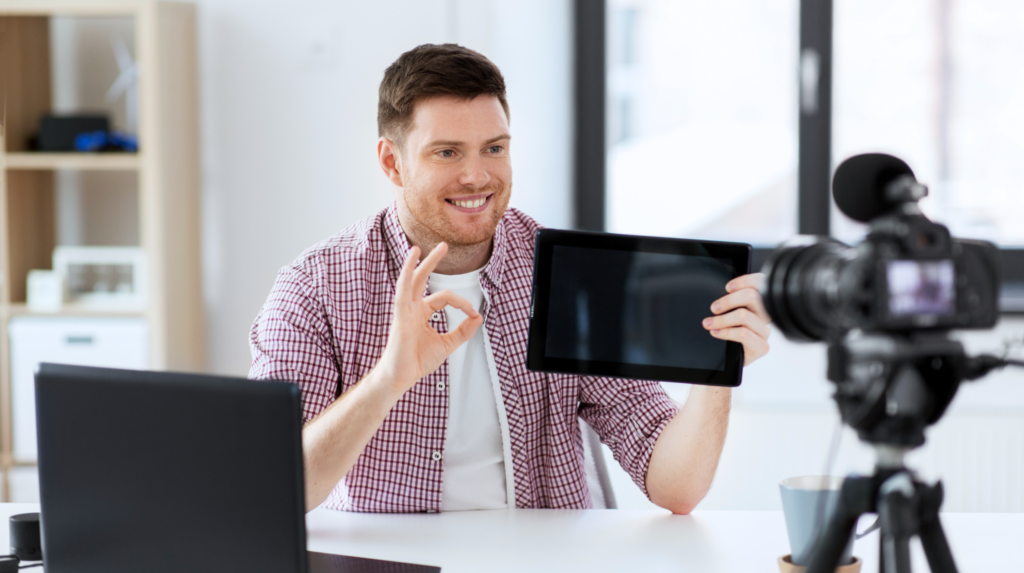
[(906, 507), (890, 388)]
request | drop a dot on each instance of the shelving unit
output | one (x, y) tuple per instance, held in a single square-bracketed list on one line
[(166, 171)]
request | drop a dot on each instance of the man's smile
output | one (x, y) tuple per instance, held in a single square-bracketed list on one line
[(471, 203)]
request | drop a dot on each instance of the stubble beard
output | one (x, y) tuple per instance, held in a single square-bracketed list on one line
[(430, 216)]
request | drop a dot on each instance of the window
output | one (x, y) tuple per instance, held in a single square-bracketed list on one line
[(695, 133), (939, 84), (701, 118)]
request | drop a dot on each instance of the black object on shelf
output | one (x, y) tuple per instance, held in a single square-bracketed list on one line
[(58, 132)]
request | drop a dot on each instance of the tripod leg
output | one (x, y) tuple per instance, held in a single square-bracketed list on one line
[(933, 538), (881, 554), (895, 553), (828, 549), (897, 513)]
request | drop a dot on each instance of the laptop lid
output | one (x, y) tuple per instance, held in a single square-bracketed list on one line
[(168, 472)]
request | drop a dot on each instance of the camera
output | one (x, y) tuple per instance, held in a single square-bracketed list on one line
[(909, 274), (885, 308)]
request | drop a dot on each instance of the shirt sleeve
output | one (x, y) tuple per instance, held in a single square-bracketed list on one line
[(628, 415), (291, 340)]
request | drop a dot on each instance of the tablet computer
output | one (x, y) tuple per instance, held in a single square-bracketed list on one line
[(632, 307)]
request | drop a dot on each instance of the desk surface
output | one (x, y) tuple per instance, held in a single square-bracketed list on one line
[(612, 540)]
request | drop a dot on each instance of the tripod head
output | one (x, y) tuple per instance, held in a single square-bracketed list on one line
[(890, 387)]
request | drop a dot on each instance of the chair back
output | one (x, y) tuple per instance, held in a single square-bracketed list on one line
[(598, 481)]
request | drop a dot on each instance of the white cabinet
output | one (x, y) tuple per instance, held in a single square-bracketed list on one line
[(110, 342)]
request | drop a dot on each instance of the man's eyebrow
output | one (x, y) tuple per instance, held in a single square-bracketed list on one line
[(453, 143), (445, 143), (497, 138)]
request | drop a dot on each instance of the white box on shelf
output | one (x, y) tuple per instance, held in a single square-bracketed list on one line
[(108, 342), (45, 291), (103, 277)]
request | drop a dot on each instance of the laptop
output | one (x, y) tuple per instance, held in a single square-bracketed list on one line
[(169, 472)]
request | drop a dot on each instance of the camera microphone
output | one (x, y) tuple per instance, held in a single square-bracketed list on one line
[(866, 186)]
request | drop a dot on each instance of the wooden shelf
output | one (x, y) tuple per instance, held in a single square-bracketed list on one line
[(71, 160), (164, 209), (21, 309)]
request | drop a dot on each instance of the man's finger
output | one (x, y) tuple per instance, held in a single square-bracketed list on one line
[(439, 300), (419, 282), (754, 346), (753, 280), (746, 297), (739, 317), (455, 338), (404, 282)]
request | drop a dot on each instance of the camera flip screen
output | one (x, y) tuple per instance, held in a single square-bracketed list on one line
[(921, 287)]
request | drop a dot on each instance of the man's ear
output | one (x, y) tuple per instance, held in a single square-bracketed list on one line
[(390, 160)]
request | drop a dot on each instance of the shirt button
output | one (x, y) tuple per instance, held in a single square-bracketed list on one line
[(436, 456), (440, 386), (436, 317)]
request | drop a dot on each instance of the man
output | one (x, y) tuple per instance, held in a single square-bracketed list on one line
[(409, 404)]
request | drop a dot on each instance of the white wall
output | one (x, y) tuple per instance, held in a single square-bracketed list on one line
[(289, 137)]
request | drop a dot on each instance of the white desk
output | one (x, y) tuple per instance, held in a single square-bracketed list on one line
[(612, 540)]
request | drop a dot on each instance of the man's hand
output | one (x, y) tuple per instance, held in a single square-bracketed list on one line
[(741, 317), (333, 441), (414, 349)]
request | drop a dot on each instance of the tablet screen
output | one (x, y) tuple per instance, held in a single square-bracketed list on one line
[(635, 307), (632, 307)]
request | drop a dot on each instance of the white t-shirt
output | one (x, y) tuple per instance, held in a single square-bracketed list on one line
[(474, 462)]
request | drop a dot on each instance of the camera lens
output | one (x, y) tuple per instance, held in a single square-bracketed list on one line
[(802, 286)]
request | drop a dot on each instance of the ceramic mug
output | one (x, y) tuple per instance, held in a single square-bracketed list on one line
[(808, 503)]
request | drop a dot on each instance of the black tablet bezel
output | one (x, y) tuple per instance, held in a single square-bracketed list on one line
[(547, 239)]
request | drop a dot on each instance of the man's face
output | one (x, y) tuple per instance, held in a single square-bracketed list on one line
[(455, 167)]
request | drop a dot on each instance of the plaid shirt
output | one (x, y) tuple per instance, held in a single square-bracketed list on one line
[(325, 324)]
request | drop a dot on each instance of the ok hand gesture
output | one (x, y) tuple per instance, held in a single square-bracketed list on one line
[(414, 349)]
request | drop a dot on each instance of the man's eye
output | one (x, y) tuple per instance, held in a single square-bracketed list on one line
[(447, 153), (496, 149)]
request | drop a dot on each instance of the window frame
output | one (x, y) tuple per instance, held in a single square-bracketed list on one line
[(814, 163)]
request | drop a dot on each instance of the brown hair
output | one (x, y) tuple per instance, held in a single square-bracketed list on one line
[(433, 70)]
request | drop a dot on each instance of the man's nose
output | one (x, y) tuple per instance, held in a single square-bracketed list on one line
[(474, 173)]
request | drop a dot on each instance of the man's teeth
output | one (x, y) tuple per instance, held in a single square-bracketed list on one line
[(470, 204)]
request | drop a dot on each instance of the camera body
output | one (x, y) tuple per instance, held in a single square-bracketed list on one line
[(886, 306), (908, 275)]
